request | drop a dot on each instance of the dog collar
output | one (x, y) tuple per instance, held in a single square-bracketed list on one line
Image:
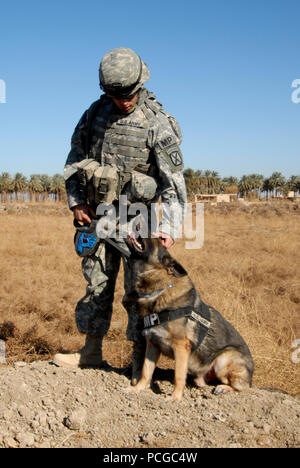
[(155, 294)]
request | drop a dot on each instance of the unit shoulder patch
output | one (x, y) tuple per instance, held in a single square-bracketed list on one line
[(173, 156), (176, 158)]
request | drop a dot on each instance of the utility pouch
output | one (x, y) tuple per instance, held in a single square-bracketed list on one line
[(106, 183), (85, 239), (100, 184), (143, 187), (85, 171)]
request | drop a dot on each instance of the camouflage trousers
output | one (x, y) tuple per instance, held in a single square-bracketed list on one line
[(93, 312)]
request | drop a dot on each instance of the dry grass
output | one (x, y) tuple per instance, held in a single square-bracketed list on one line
[(248, 269)]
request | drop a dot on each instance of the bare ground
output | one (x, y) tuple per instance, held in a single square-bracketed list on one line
[(45, 406), (247, 269)]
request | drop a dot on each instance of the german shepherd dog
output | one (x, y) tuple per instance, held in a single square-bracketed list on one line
[(179, 325)]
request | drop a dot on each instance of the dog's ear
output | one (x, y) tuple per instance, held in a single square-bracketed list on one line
[(173, 267)]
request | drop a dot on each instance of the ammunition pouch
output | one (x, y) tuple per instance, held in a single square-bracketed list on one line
[(104, 184), (85, 172), (98, 183)]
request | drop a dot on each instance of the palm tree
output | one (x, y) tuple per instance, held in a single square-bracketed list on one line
[(193, 181), (208, 183), (230, 180), (10, 188), (58, 186), (277, 181), (257, 181), (294, 183), (188, 173), (216, 182), (5, 183), (35, 186), (245, 185), (20, 184), (46, 183), (199, 173), (230, 184), (267, 188)]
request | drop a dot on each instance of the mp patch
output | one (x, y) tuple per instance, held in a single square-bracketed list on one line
[(167, 141)]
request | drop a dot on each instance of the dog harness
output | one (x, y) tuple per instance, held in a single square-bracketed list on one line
[(200, 314)]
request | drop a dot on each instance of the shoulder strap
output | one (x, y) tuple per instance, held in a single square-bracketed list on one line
[(149, 105), (91, 113), (153, 104)]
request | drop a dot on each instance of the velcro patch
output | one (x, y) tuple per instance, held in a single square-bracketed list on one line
[(166, 142)]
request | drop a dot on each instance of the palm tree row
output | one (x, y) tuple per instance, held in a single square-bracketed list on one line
[(41, 187), (35, 188), (254, 185)]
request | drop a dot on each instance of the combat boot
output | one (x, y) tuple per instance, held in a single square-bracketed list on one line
[(88, 356), (138, 357)]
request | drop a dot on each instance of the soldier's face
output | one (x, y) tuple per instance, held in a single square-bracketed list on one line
[(126, 104)]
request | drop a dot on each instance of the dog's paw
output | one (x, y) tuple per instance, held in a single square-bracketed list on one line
[(134, 381), (222, 389), (200, 382), (174, 397)]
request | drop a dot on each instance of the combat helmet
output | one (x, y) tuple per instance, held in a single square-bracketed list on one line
[(122, 72)]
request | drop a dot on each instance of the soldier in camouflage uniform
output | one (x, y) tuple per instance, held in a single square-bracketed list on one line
[(130, 131)]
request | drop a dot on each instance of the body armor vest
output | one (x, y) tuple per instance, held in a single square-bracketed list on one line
[(121, 140)]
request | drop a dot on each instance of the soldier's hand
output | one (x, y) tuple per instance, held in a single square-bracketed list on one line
[(83, 213), (167, 241)]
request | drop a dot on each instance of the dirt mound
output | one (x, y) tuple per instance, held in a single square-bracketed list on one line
[(45, 406)]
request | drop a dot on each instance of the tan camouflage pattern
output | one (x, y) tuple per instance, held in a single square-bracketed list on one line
[(121, 66), (146, 141)]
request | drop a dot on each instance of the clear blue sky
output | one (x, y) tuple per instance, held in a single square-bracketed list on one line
[(223, 68)]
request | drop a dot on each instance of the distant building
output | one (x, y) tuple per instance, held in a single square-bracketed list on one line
[(292, 195), (216, 197)]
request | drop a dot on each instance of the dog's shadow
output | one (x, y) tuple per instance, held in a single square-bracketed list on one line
[(159, 375), (162, 375)]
